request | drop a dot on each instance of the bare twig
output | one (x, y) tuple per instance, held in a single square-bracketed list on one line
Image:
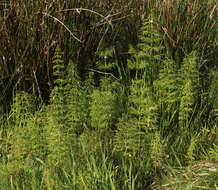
[(48, 15), (82, 9), (166, 32), (37, 84), (103, 73), (108, 19), (105, 18)]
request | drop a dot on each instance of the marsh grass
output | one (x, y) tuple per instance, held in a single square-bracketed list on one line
[(31, 30)]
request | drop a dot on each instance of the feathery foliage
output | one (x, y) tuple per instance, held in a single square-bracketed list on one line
[(56, 130), (27, 145), (22, 109), (23, 144), (106, 59), (103, 108), (111, 62), (191, 151), (213, 95), (57, 99), (157, 151), (190, 87), (136, 127), (167, 86), (167, 94), (149, 51), (76, 101)]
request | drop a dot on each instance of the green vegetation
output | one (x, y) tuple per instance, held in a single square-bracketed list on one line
[(108, 95)]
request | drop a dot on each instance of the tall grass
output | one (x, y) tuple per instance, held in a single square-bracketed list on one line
[(30, 31)]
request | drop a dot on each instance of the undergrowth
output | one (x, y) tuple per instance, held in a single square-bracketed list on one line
[(147, 123)]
